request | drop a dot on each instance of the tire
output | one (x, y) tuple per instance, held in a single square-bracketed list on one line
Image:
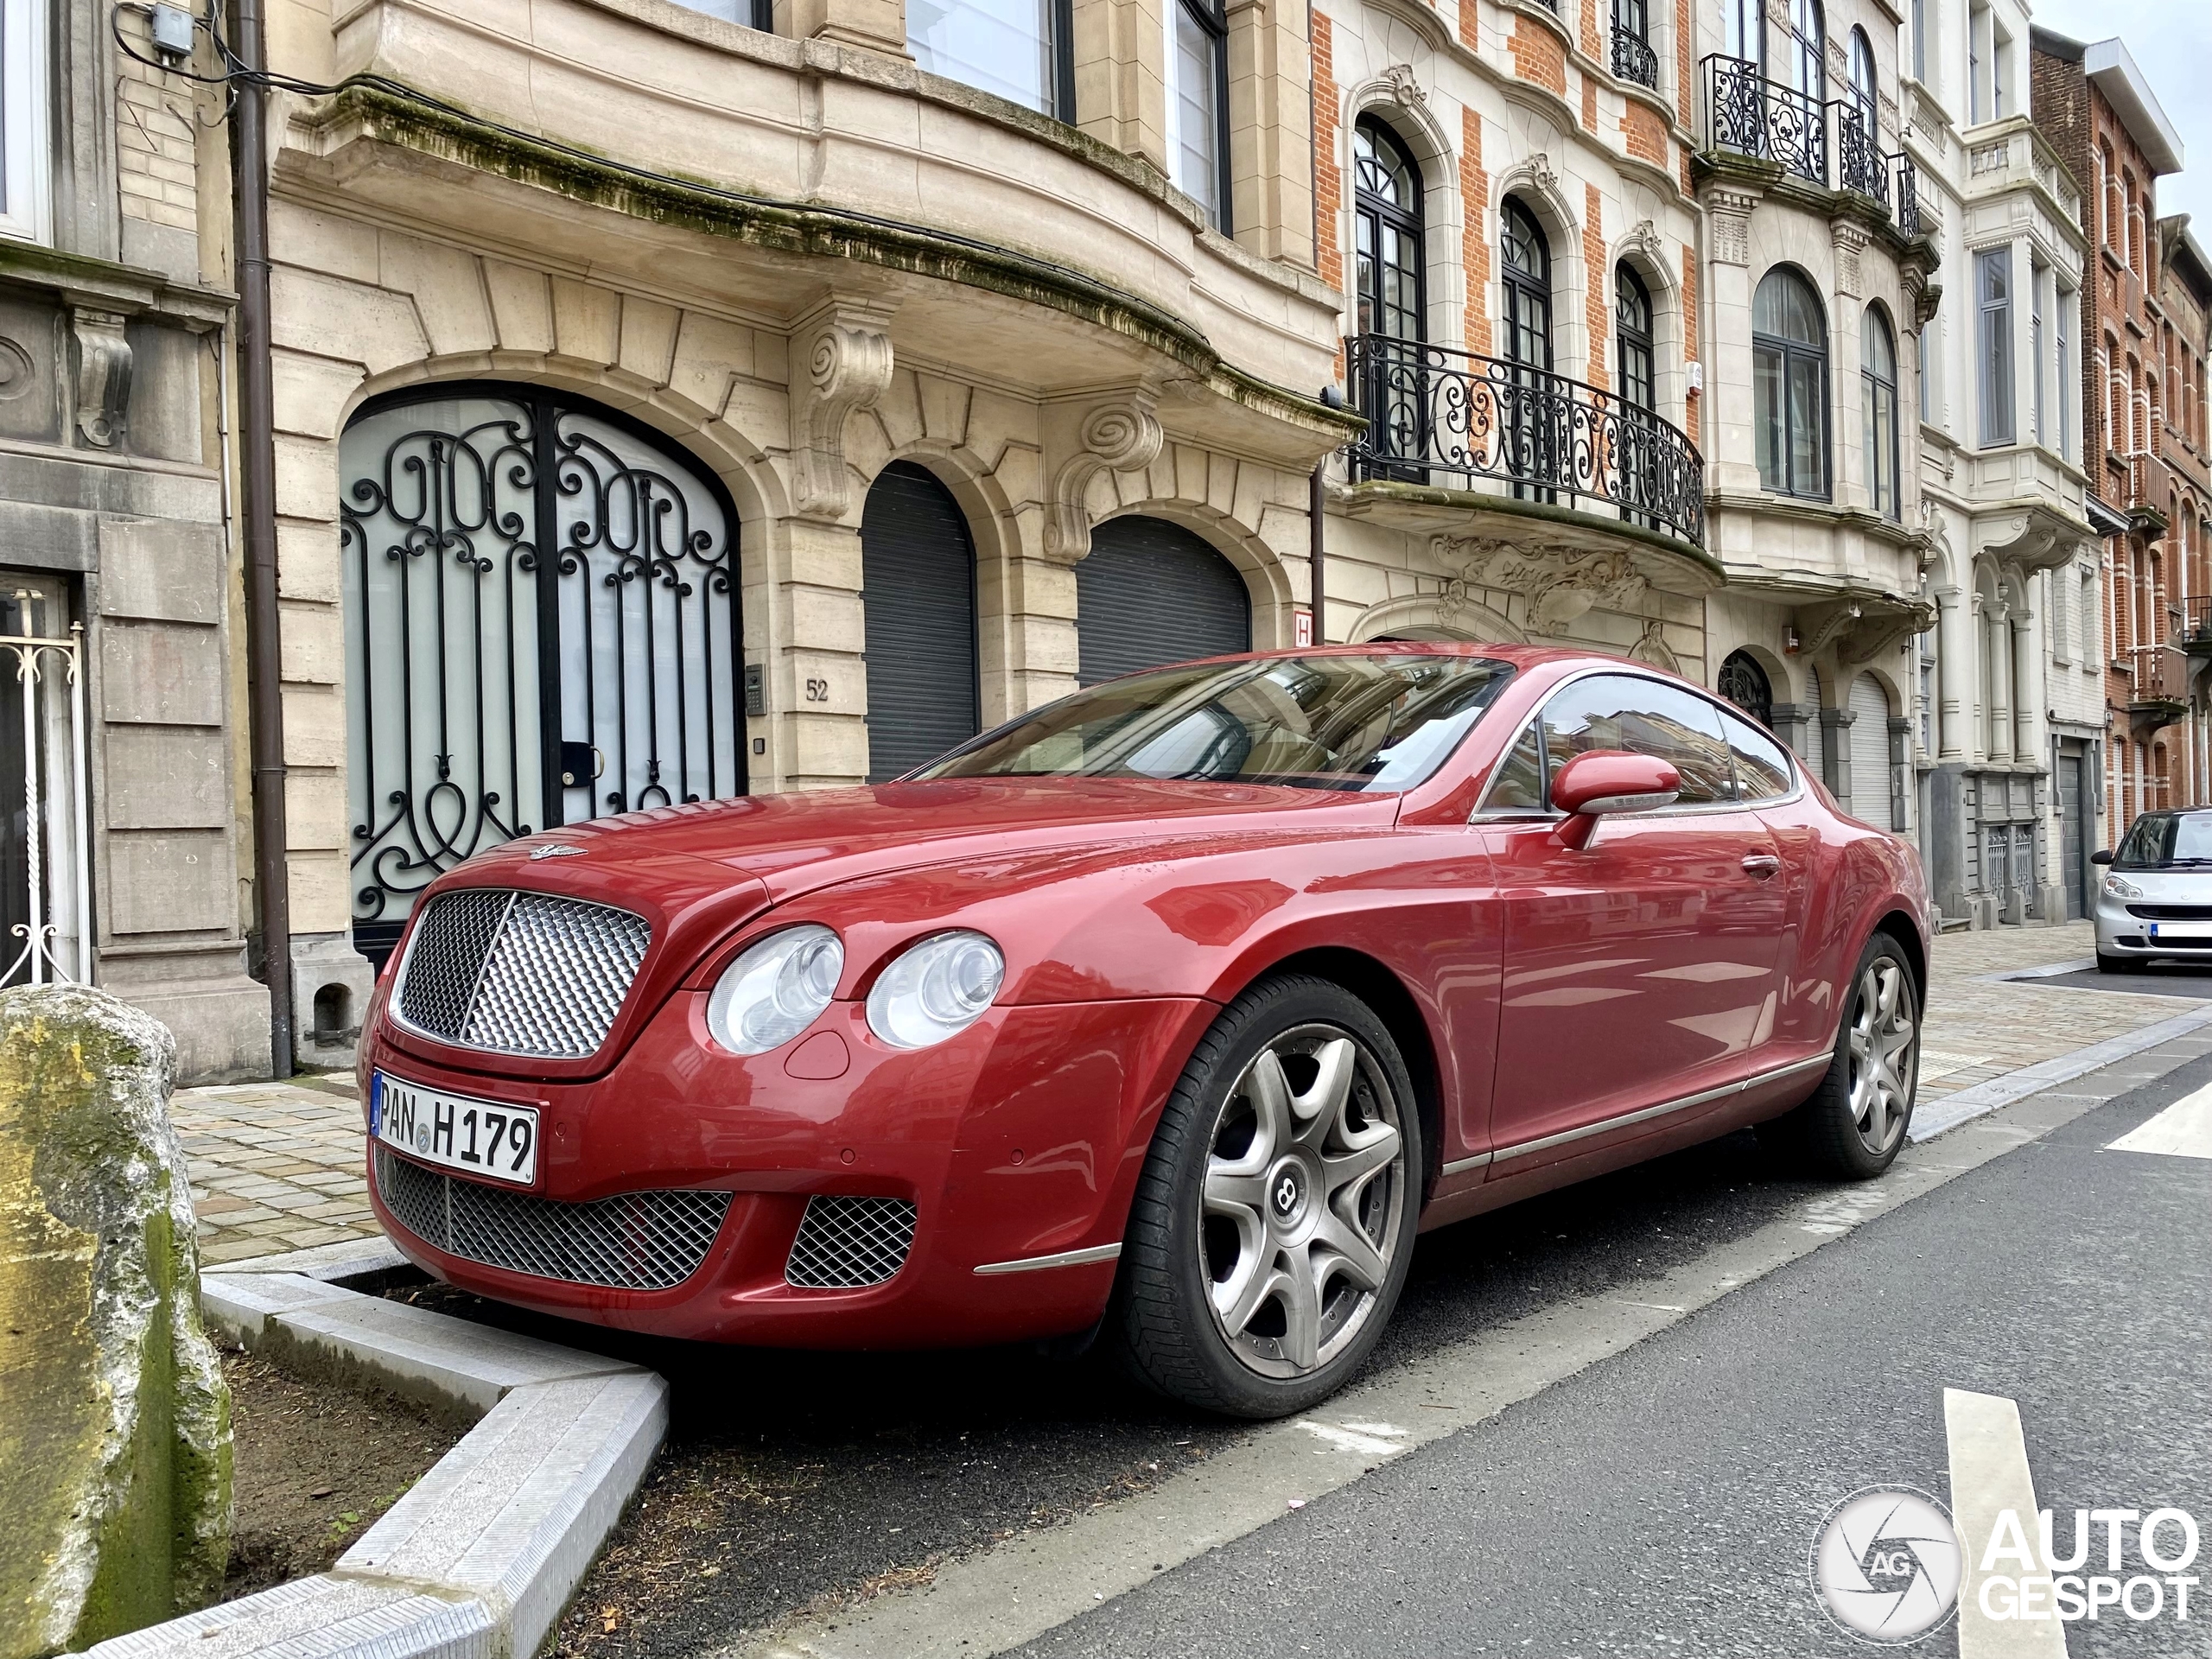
[(2112, 965), (1234, 1219), (1843, 1130)]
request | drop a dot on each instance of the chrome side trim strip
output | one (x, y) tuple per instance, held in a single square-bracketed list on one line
[(1461, 1165), (1663, 1109), (1065, 1259)]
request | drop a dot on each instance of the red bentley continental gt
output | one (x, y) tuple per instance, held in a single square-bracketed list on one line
[(1172, 1010)]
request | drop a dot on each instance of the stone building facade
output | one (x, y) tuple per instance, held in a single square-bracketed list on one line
[(2142, 388), (119, 613), (2007, 696), (1818, 269)]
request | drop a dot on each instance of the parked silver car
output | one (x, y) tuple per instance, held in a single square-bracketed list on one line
[(2156, 898)]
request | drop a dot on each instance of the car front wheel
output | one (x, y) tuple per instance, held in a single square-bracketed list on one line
[(1276, 1215), (1852, 1126)]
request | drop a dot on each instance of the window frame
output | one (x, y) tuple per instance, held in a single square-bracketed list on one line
[(1809, 55), (1884, 472), (1548, 814), (1213, 18), (1993, 351), (1370, 209), (1535, 284), (1792, 352), (26, 125), (1055, 20)]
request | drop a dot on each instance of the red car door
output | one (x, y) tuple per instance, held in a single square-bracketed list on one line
[(1639, 970)]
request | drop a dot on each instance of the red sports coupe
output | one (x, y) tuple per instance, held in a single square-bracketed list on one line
[(1175, 1007)]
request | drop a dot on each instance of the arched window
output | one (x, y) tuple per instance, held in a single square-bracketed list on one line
[(917, 596), (1878, 389), (1633, 58), (1808, 47), (1637, 366), (1526, 274), (1386, 200), (1862, 79), (1745, 683), (541, 621), (1790, 384)]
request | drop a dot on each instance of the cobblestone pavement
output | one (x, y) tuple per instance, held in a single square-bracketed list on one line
[(277, 1166)]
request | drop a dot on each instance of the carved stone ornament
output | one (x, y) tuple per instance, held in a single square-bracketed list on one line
[(1642, 239), (1403, 86), (1120, 437), (1849, 239), (1651, 648), (1537, 173), (102, 373), (848, 357), (1729, 217), (1557, 584)]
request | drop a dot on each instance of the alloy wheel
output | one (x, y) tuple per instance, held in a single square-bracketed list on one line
[(1884, 1047), (1301, 1222)]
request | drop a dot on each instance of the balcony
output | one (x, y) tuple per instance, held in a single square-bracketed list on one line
[(1832, 144), (2158, 693), (1634, 60), (1456, 420), (2196, 636)]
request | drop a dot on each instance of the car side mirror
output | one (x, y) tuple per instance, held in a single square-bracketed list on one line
[(1605, 781), (2102, 856)]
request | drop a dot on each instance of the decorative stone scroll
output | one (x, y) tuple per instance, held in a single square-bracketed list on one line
[(849, 360), (102, 373), (1115, 437)]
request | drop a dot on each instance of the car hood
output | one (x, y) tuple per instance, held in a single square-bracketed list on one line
[(2172, 887), (798, 843)]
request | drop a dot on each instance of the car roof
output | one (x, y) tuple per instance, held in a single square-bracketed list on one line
[(1520, 656)]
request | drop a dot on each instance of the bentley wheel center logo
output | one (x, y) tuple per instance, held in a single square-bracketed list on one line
[(1886, 1564)]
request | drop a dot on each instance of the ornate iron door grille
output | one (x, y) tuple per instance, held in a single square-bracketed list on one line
[(493, 691)]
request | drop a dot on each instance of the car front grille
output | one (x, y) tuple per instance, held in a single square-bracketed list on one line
[(634, 1241), (520, 972), (2171, 913), (848, 1243)]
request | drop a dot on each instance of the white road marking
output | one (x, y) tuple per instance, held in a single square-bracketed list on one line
[(1989, 1474), (2182, 1130), (1369, 1439)]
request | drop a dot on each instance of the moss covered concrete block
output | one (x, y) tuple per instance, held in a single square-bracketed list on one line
[(115, 1434)]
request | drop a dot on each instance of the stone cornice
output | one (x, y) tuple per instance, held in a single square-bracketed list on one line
[(81, 280)]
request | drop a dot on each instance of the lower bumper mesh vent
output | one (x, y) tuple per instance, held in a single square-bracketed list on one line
[(846, 1243), (634, 1241)]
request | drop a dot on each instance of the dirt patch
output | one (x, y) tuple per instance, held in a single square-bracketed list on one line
[(315, 1463)]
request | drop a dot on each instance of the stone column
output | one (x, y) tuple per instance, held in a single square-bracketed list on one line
[(1999, 642), (1728, 338), (1835, 755), (1954, 656), (2027, 687)]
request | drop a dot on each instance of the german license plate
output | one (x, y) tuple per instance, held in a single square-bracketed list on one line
[(478, 1137), (2181, 929)]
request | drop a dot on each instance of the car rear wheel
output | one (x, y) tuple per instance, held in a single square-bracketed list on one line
[(1852, 1126), (1275, 1215)]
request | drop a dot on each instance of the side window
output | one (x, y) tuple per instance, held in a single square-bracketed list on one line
[(1518, 784), (1762, 767), (1641, 716)]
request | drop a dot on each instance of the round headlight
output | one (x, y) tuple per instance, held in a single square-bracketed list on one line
[(775, 989), (936, 990)]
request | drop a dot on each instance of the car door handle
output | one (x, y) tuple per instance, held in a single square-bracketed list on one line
[(1761, 864)]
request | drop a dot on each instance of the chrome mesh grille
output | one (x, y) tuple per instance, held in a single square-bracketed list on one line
[(521, 973), (634, 1241), (845, 1243)]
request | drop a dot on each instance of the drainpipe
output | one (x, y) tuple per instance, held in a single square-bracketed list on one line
[(257, 513), (1317, 557)]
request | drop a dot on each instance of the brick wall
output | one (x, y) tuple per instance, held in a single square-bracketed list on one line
[(1596, 278), (1689, 338), (1328, 177), (1645, 133), (1538, 58), (1474, 229), (156, 145)]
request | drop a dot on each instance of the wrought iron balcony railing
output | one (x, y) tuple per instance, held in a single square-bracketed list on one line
[(1634, 60), (2196, 623), (1833, 143), (1462, 421)]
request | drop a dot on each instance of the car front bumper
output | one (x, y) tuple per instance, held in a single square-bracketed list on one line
[(2121, 933), (1017, 1143)]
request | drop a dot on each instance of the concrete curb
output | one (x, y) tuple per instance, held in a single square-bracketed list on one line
[(478, 1559), (1945, 1112)]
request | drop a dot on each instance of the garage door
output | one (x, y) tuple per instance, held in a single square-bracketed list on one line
[(1870, 754), (1152, 592), (918, 581)]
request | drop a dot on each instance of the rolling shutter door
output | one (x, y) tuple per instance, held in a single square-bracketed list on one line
[(1150, 593), (918, 580), (1870, 754)]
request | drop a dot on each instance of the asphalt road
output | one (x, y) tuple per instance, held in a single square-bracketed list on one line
[(2156, 979), (1664, 1501)]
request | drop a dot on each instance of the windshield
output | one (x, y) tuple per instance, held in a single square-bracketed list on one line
[(2167, 841), (1373, 723)]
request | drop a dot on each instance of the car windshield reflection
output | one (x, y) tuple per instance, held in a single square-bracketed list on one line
[(1373, 724), (2167, 841)]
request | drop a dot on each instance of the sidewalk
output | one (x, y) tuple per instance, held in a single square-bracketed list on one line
[(277, 1166)]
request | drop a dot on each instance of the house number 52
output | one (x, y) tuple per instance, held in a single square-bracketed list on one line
[(817, 690)]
